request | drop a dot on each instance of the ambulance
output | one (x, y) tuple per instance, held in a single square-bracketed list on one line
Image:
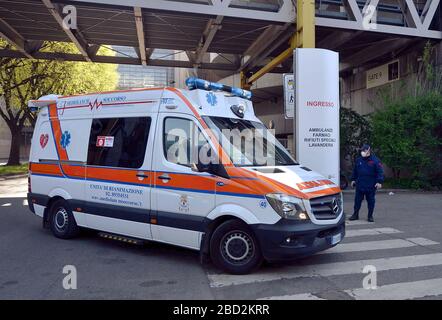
[(122, 163)]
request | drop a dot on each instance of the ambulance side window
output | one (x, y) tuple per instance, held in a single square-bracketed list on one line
[(118, 142), (182, 140)]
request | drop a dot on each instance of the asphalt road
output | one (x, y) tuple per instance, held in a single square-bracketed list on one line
[(403, 245)]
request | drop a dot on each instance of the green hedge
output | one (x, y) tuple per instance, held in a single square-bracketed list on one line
[(407, 135)]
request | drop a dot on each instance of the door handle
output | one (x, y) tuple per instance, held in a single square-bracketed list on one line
[(142, 175), (164, 176)]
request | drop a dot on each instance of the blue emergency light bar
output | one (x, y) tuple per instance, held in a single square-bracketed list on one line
[(196, 83)]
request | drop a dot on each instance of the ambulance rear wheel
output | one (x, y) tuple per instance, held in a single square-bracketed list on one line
[(61, 220), (234, 248)]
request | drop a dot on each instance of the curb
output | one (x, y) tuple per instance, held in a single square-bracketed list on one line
[(398, 191), (15, 176)]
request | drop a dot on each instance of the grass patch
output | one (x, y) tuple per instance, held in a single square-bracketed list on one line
[(13, 170), (413, 184)]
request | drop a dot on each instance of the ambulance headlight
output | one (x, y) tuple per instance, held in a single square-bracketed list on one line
[(288, 207)]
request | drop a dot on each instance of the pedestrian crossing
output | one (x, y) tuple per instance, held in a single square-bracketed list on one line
[(379, 245), (399, 291), (370, 232), (400, 255), (10, 204)]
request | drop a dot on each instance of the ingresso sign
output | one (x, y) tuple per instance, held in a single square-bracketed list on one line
[(383, 74), (317, 110)]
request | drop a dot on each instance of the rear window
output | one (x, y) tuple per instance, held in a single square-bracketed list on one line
[(118, 142)]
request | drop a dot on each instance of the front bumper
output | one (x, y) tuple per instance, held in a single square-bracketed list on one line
[(306, 238)]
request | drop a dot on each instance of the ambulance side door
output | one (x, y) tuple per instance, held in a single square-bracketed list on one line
[(118, 174), (181, 198)]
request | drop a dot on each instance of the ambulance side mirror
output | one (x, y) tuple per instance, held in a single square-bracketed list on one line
[(194, 167), (216, 169)]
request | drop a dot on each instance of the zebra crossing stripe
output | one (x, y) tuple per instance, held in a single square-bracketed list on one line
[(301, 296), (379, 245), (399, 291), (326, 269), (357, 222), (370, 232), (422, 241)]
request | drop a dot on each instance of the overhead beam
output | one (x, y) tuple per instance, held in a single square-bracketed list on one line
[(214, 8), (191, 56), (263, 40), (262, 43), (381, 28), (119, 60), (353, 10), (209, 33), (14, 38), (74, 35), (140, 34), (373, 52), (271, 65), (304, 37), (285, 14), (149, 52), (429, 14), (337, 38), (266, 53), (410, 13)]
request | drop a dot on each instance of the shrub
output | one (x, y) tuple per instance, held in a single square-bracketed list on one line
[(408, 136)]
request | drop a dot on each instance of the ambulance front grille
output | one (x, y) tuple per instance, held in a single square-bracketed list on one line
[(326, 207)]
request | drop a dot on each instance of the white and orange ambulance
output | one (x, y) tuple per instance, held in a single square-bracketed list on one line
[(120, 162)]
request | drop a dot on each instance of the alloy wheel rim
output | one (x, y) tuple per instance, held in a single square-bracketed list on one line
[(61, 219), (237, 247)]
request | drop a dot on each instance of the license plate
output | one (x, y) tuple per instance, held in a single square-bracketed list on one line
[(336, 238)]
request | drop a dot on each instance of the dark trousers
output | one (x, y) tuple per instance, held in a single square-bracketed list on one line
[(369, 196)]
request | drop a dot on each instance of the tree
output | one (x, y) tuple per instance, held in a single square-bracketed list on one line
[(355, 130), (22, 80)]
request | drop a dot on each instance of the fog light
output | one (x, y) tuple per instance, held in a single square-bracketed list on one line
[(303, 216), (288, 240)]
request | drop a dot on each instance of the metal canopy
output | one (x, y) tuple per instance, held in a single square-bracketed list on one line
[(244, 33)]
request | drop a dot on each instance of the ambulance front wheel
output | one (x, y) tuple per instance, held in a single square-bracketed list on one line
[(234, 248), (62, 222)]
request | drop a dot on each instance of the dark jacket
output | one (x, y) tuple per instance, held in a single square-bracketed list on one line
[(367, 172)]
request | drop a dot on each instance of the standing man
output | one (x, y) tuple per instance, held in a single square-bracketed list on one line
[(368, 176)]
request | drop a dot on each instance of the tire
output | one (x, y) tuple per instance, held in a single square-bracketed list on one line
[(61, 220), (234, 248)]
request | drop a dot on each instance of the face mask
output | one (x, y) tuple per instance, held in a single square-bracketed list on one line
[(364, 154)]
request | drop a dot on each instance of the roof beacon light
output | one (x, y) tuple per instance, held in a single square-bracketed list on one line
[(196, 83), (44, 101)]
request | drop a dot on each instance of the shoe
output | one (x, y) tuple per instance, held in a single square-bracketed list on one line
[(370, 219), (354, 217)]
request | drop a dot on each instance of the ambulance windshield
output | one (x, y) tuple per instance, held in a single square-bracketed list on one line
[(249, 143)]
